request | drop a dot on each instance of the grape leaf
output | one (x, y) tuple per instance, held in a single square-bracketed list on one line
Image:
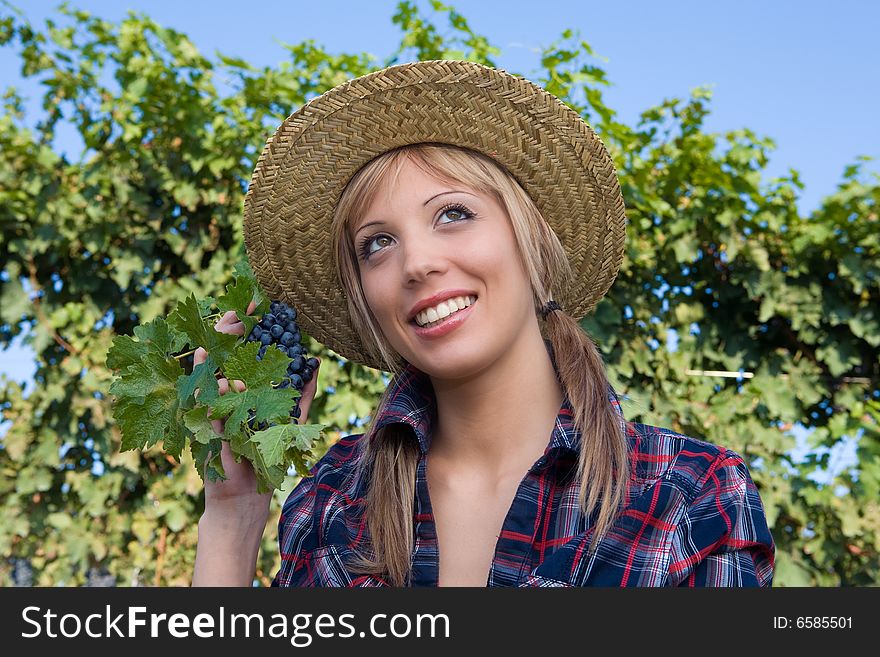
[(275, 443), (272, 405), (243, 365), (205, 445), (270, 443), (269, 404), (207, 459), (147, 404), (239, 294), (268, 476), (302, 468), (203, 378), (206, 304), (155, 398), (187, 319), (243, 270), (156, 336), (197, 421)]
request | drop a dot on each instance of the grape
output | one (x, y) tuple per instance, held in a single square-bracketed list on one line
[(278, 328)]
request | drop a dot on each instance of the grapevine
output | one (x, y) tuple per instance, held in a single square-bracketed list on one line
[(155, 397)]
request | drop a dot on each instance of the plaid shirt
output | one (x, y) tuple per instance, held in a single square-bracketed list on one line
[(692, 517)]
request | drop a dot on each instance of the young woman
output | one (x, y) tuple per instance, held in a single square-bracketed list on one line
[(472, 220)]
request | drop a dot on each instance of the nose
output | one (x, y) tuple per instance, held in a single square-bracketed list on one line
[(421, 258)]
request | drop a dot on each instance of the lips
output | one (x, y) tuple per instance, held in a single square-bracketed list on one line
[(434, 300), (449, 324)]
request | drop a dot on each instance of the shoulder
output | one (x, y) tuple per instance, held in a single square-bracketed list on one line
[(721, 536), (688, 463), (307, 514), (332, 474)]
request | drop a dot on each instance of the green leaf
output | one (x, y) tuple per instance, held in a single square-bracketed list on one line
[(196, 420), (271, 405), (243, 365), (203, 378), (208, 460), (275, 443), (156, 337), (147, 405), (187, 319)]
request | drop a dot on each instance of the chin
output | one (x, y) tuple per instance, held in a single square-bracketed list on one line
[(452, 363)]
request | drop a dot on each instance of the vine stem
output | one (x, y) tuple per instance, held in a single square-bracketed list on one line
[(186, 354)]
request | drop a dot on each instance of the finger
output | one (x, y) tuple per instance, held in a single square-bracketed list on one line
[(220, 425), (227, 317), (231, 327), (199, 357), (308, 395)]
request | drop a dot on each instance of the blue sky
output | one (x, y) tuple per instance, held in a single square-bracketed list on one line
[(803, 73)]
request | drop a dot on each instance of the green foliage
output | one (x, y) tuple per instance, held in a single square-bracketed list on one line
[(102, 245), (155, 398)]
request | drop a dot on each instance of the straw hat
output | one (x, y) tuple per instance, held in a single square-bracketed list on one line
[(302, 171)]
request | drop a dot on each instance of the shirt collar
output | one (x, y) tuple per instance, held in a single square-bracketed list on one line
[(411, 401)]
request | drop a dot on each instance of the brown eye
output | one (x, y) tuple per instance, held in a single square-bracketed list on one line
[(456, 212)]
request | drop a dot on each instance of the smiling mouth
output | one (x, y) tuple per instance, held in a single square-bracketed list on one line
[(440, 321), (469, 300)]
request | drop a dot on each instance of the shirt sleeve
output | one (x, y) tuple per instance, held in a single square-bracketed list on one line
[(723, 538), (294, 526), (312, 511)]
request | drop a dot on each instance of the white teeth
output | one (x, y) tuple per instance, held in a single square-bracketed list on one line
[(444, 309)]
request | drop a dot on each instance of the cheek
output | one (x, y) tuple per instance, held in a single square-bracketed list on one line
[(379, 295), (497, 260)]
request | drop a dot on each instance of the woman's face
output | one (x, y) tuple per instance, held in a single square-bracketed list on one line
[(423, 241)]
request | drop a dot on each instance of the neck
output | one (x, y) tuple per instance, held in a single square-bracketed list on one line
[(504, 415)]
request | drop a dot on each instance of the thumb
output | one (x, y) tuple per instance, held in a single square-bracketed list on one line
[(308, 395)]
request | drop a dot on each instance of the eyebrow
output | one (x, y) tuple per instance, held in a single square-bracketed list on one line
[(380, 223)]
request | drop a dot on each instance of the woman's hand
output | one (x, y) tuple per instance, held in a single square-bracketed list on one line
[(235, 515)]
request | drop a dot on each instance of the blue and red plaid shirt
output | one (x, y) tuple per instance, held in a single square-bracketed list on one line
[(692, 517)]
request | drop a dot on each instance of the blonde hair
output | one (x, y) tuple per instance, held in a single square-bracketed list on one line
[(390, 455)]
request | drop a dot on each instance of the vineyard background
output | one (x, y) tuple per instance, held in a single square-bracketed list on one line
[(95, 244)]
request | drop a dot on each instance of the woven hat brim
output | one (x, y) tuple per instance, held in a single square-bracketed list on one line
[(306, 164)]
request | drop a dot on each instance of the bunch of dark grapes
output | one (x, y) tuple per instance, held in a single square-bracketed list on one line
[(278, 329)]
